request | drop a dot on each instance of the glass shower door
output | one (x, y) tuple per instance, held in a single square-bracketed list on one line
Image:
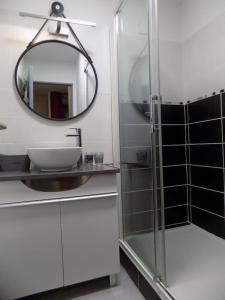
[(139, 138)]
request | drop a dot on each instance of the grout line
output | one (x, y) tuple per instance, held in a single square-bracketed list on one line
[(135, 147), (130, 124), (141, 212), (151, 210), (139, 169), (150, 190), (186, 159), (204, 188), (204, 121), (173, 186), (180, 223), (180, 205), (189, 166), (209, 212), (140, 231), (138, 191), (204, 166), (191, 144), (222, 132), (174, 145), (170, 166), (203, 144), (175, 124)]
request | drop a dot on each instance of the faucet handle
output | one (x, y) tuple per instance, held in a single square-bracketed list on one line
[(78, 130)]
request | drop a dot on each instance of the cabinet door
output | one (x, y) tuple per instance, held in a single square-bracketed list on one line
[(90, 239), (30, 250)]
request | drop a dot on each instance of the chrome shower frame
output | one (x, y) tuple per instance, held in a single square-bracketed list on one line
[(157, 281)]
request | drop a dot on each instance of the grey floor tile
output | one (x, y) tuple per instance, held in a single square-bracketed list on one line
[(95, 290), (125, 291)]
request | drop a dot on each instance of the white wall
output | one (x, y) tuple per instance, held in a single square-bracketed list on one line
[(192, 48), (203, 47), (170, 50), (25, 129)]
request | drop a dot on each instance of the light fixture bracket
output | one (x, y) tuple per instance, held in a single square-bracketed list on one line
[(57, 8), (57, 11)]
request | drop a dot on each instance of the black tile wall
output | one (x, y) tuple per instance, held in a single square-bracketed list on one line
[(136, 166), (174, 176), (206, 180), (173, 134), (172, 114), (205, 109), (208, 200), (175, 215), (139, 222), (136, 179), (223, 104), (174, 196), (174, 155), (174, 162), (206, 132), (207, 155), (209, 222), (223, 130), (134, 202), (211, 178), (140, 156)]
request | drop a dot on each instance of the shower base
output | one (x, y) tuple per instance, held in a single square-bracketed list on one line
[(195, 262)]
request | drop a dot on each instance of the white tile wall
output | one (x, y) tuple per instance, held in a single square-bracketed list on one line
[(25, 129)]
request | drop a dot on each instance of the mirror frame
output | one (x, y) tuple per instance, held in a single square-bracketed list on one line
[(64, 43)]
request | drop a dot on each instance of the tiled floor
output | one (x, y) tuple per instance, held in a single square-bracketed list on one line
[(95, 290), (125, 291)]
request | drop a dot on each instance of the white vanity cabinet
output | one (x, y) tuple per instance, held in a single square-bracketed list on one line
[(51, 240), (30, 250), (90, 239)]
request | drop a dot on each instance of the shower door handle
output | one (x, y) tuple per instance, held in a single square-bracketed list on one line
[(154, 98)]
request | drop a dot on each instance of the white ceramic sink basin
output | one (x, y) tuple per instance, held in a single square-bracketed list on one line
[(55, 159)]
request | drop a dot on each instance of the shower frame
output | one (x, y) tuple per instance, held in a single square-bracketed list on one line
[(156, 279)]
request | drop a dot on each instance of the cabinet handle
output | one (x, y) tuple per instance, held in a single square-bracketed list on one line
[(61, 200)]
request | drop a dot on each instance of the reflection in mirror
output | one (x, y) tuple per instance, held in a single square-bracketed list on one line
[(56, 80), (139, 85)]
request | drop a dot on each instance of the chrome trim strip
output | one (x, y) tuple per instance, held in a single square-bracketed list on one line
[(60, 200)]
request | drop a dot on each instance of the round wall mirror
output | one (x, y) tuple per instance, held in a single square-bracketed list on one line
[(56, 80)]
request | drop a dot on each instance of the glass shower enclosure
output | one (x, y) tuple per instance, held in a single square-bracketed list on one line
[(140, 136)]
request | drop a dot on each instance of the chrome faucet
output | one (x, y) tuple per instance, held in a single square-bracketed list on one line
[(77, 134)]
